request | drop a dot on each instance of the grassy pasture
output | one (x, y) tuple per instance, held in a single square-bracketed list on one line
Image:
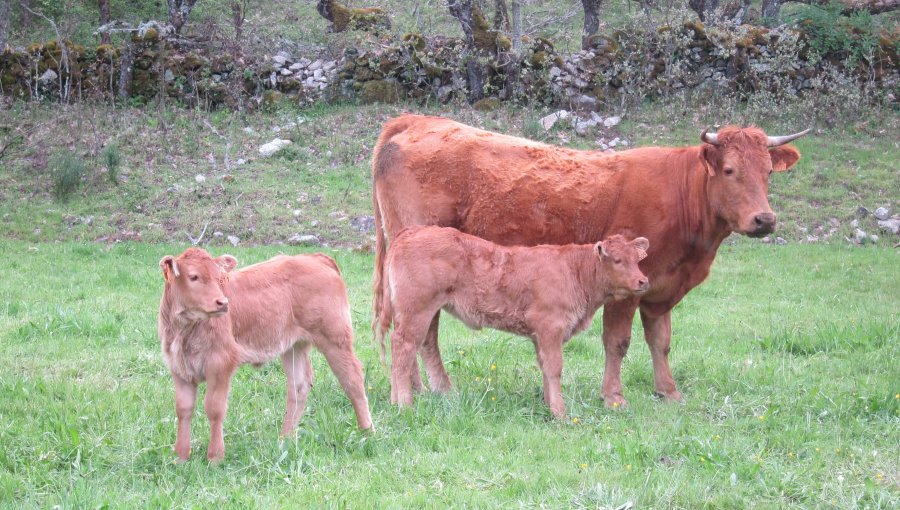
[(787, 357)]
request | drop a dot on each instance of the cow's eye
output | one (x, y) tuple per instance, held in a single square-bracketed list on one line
[(729, 171), (193, 277), (617, 261)]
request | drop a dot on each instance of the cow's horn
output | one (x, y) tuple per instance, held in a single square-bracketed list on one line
[(775, 141), (710, 138)]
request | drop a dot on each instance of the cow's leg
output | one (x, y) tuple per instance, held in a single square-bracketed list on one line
[(185, 399), (549, 355), (658, 333), (438, 379), (617, 319), (218, 385), (348, 370), (299, 374), (408, 334)]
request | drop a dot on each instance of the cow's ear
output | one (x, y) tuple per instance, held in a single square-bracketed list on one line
[(784, 157), (226, 262), (642, 245), (601, 249), (708, 157), (169, 267)]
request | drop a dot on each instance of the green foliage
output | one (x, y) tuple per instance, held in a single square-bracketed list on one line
[(68, 170), (112, 158), (829, 32)]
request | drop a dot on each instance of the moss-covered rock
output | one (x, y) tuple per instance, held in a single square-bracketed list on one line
[(487, 104), (380, 91)]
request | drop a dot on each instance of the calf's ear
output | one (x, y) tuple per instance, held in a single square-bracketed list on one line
[(601, 249), (642, 245), (226, 262), (784, 157), (168, 266)]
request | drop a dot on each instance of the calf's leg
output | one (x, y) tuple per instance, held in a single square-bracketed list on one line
[(658, 334), (185, 399), (549, 355), (218, 385), (617, 319), (299, 374), (438, 379), (338, 351), (409, 332)]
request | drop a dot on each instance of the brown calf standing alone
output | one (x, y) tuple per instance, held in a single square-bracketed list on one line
[(547, 293), (211, 320)]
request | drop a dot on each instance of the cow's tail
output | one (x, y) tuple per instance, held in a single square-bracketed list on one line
[(381, 302), (383, 322)]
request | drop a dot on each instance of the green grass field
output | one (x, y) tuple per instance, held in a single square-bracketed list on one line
[(787, 357)]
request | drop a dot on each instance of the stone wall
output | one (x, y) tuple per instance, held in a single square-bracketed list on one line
[(657, 62)]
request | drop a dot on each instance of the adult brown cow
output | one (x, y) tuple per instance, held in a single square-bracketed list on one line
[(513, 191)]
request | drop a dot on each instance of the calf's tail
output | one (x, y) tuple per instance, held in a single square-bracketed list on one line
[(383, 320)]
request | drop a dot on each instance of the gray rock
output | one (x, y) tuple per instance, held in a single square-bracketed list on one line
[(279, 60), (303, 239), (881, 213), (234, 240), (585, 103), (48, 76), (854, 223), (861, 236), (328, 66), (217, 234), (612, 121), (766, 240), (862, 212), (315, 65), (555, 71), (169, 76), (364, 224), (873, 238), (272, 147), (583, 126), (317, 74), (780, 240), (548, 121), (88, 220), (891, 225), (296, 66), (834, 222)]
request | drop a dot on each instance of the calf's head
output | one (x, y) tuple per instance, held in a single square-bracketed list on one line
[(739, 162), (619, 260), (196, 282)]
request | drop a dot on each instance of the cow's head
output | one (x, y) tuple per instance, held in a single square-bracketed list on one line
[(739, 162), (196, 282), (619, 260)]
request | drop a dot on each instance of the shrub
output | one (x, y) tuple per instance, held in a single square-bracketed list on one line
[(828, 32), (68, 170), (112, 158)]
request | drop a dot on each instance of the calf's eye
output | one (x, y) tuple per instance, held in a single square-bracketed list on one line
[(194, 278), (729, 171)]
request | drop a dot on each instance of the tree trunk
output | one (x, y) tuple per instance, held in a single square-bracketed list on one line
[(5, 11), (462, 11), (179, 10), (125, 71), (703, 8), (501, 15), (516, 27), (771, 8), (26, 14), (591, 21), (104, 19), (238, 15)]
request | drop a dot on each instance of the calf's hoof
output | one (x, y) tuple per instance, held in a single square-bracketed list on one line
[(615, 402), (215, 458)]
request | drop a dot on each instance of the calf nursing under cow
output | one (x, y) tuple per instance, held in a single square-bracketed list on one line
[(513, 191), (213, 319), (546, 293)]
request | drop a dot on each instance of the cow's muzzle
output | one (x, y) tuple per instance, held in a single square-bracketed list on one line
[(763, 224)]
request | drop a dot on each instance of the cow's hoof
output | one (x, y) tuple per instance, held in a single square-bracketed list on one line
[(671, 397), (615, 402)]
